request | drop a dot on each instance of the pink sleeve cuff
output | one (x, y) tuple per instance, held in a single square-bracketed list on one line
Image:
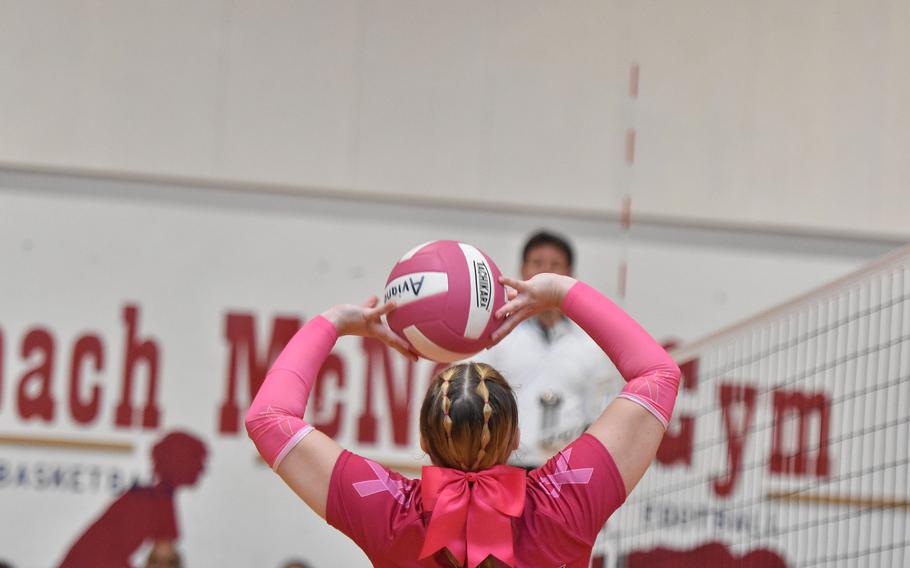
[(295, 439), (665, 420), (275, 419)]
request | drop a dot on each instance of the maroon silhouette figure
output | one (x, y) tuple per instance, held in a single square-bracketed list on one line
[(143, 513)]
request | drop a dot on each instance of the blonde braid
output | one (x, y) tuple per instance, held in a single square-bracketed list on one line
[(484, 393), (446, 378)]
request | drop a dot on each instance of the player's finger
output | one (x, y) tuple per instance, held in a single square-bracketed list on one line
[(509, 324), (517, 284), (509, 307), (406, 353), (389, 337), (503, 330), (376, 313), (399, 346), (371, 302), (385, 308)]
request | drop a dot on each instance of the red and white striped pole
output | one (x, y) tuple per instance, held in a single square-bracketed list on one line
[(626, 211)]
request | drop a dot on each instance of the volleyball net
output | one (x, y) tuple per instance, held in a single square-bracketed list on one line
[(789, 444)]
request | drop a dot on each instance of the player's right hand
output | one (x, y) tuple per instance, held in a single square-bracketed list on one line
[(544, 291)]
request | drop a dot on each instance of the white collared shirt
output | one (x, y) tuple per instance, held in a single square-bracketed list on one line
[(560, 364)]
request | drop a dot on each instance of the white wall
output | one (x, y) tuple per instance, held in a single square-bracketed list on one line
[(773, 113)]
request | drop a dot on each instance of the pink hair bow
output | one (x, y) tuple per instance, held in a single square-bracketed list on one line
[(472, 512)]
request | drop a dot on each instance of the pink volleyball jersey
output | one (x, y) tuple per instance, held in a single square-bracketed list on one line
[(567, 503)]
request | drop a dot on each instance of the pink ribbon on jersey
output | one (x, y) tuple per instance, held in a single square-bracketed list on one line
[(472, 512)]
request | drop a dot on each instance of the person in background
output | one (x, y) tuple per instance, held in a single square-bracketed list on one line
[(163, 555), (295, 564), (560, 376)]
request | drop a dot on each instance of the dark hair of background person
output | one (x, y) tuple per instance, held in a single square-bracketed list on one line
[(295, 564), (4, 564), (541, 238)]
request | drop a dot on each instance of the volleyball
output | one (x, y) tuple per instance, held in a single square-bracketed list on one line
[(447, 293)]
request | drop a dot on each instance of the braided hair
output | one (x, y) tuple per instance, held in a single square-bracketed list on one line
[(484, 393), (469, 418)]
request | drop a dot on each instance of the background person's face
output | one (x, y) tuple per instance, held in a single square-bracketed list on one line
[(545, 258)]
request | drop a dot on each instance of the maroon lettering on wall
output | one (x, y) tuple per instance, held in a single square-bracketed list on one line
[(333, 367), (138, 351), (676, 445), (399, 398), (86, 347), (709, 554), (802, 405), (240, 333), (735, 398), (40, 404)]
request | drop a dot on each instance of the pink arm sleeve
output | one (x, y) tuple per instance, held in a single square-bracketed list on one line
[(651, 375), (275, 419)]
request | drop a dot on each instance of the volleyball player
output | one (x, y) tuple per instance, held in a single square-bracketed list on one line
[(469, 508)]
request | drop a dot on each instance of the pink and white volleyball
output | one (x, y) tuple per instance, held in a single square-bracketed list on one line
[(447, 293)]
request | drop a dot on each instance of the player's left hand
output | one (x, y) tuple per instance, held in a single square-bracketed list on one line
[(365, 320)]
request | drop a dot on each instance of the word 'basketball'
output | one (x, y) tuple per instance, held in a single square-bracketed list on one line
[(447, 293)]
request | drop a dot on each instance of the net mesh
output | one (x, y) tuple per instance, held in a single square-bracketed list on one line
[(789, 445)]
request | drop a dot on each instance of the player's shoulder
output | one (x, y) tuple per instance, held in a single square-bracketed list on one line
[(585, 460), (366, 478), (580, 487)]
